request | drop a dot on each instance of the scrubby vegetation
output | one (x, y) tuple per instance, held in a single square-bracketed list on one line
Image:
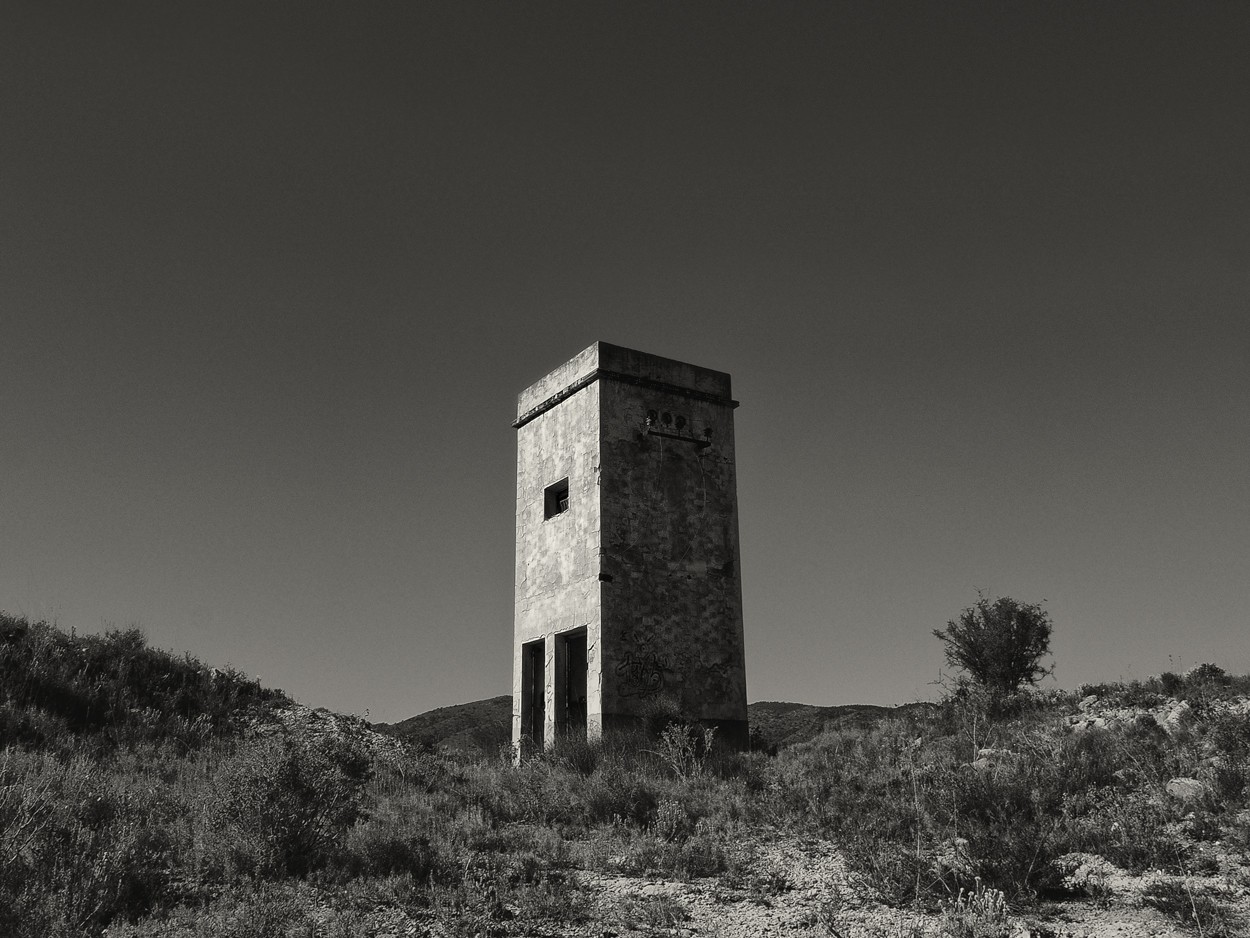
[(143, 794), (932, 806)]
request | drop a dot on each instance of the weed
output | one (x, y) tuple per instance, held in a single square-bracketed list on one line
[(768, 883), (979, 913), (648, 912), (1178, 899), (685, 749), (672, 823)]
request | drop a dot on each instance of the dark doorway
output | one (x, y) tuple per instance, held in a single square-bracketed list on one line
[(533, 702), (571, 683)]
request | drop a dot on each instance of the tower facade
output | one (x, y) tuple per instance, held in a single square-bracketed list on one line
[(628, 581)]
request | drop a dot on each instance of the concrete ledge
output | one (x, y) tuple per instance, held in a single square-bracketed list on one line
[(613, 363)]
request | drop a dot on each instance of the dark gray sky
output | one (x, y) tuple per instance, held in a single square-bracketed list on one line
[(272, 274)]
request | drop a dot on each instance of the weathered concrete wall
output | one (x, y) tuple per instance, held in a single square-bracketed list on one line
[(557, 559), (646, 557), (672, 598), (560, 381)]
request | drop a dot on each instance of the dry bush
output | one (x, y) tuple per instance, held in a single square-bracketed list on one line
[(922, 822), (1193, 906)]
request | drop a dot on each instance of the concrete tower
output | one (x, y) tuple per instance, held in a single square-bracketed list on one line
[(628, 586)]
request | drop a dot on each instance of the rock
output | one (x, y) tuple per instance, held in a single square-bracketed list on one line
[(1176, 718), (1088, 723), (1087, 703), (1186, 789)]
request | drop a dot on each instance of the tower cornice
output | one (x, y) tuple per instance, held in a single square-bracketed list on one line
[(607, 374)]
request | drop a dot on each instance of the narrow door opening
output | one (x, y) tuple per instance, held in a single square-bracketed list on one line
[(571, 683), (533, 703)]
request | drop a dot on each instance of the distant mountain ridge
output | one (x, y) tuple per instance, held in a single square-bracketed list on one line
[(487, 724), (479, 724)]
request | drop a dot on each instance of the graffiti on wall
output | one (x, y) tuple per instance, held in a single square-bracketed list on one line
[(642, 672)]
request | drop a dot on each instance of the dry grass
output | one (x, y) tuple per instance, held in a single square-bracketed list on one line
[(157, 803)]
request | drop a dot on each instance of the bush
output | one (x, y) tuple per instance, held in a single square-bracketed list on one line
[(261, 911), (81, 845), (371, 849), (581, 754), (619, 796), (1191, 907), (279, 806), (686, 750), (999, 644), (113, 690), (922, 814)]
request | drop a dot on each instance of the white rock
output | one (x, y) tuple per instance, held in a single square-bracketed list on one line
[(1185, 789), (1176, 717)]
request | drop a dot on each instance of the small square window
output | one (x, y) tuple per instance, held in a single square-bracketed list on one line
[(556, 499)]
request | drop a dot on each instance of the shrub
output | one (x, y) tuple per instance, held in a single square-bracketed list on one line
[(261, 911), (686, 750), (1204, 685), (371, 849), (579, 753), (921, 822), (550, 899), (534, 792), (114, 690), (1125, 828), (81, 845), (659, 713), (999, 644), (624, 795), (649, 913), (1190, 907), (280, 805)]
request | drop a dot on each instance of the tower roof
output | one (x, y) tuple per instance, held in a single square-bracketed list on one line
[(616, 363)]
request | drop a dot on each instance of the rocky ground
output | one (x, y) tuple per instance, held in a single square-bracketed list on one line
[(800, 887), (791, 885)]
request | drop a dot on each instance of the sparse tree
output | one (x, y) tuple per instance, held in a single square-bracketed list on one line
[(999, 644)]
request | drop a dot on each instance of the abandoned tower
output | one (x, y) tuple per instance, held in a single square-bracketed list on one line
[(628, 591)]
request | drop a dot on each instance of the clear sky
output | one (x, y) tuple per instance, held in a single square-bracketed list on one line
[(272, 275)]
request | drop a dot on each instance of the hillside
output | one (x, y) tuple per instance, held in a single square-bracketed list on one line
[(485, 725), (482, 725), (145, 795), (111, 689), (785, 724)]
